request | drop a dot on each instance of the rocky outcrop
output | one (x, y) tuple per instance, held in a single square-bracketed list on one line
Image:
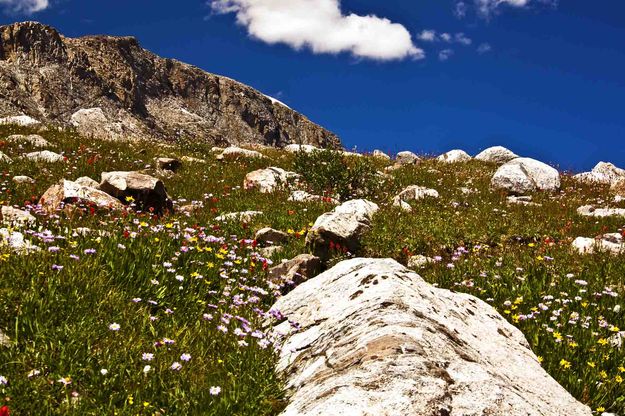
[(269, 180), (406, 158), (523, 175), (609, 243), (234, 152), (15, 241), (344, 226), (454, 156), (496, 154), (380, 155), (109, 87), (603, 173), (591, 211), (147, 192), (370, 337), (45, 156), (33, 140)]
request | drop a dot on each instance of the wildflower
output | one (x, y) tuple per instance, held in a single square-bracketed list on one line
[(565, 364), (147, 369), (114, 326), (33, 373), (591, 364), (147, 356), (66, 381), (168, 341), (214, 391), (56, 267), (618, 379), (176, 366), (602, 341), (90, 251), (185, 357), (3, 381)]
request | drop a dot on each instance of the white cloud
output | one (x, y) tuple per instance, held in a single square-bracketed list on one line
[(427, 36), (445, 54), (484, 48), (24, 6), (430, 35), (487, 7), (463, 39), (321, 26), (460, 9), (446, 37)]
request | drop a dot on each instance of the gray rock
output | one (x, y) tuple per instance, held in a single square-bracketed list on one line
[(521, 200), (419, 261), (168, 163), (4, 340), (22, 180), (88, 182), (67, 192), (34, 140), (234, 152), (380, 155), (454, 156), (271, 251), (44, 156), (306, 148), (608, 243), (345, 225), (148, 192), (406, 158), (373, 338), (16, 217), (603, 173), (413, 193), (496, 154), (303, 196), (295, 271), (523, 175), (21, 120), (590, 211), (193, 159), (270, 237), (16, 242), (5, 159), (269, 180)]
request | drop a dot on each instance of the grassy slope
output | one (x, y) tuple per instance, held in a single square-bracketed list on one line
[(516, 258)]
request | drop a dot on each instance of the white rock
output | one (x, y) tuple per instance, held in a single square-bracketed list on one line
[(303, 196), (194, 159), (413, 193), (419, 261), (375, 339), (34, 140), (5, 159), (234, 152), (603, 173), (16, 217), (345, 225), (521, 200), (454, 156), (245, 216), (88, 182), (380, 155), (524, 175), (406, 158), (92, 122), (15, 241), (23, 180), (496, 154), (44, 156), (269, 180), (590, 211), (22, 120), (66, 192), (585, 245), (306, 148)]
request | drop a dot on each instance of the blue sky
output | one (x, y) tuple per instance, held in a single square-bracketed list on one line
[(544, 79)]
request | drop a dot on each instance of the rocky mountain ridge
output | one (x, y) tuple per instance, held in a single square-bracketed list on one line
[(111, 88)]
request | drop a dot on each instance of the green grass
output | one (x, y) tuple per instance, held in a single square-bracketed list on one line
[(516, 258)]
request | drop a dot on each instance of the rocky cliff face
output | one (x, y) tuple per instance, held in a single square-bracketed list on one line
[(112, 88)]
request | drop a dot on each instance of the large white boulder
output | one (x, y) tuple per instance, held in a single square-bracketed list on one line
[(406, 158), (496, 154), (306, 148), (454, 156), (370, 338), (591, 211), (344, 226), (522, 175), (15, 241), (603, 173), (609, 243), (22, 120), (380, 155), (67, 192), (45, 156), (234, 152), (269, 180), (34, 140), (16, 217)]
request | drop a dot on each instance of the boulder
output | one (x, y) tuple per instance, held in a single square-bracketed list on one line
[(380, 155), (22, 120), (21, 180), (270, 251), (146, 191), (521, 200), (603, 173), (16, 217), (168, 163), (590, 211), (68, 192), (34, 140), (419, 261), (344, 226), (234, 152), (270, 237), (406, 158), (305, 148), (15, 242), (295, 271), (244, 216), (45, 156), (413, 193), (93, 122), (607, 243), (454, 156), (5, 159), (193, 159), (88, 182), (524, 175), (370, 337), (303, 196), (496, 154), (268, 180)]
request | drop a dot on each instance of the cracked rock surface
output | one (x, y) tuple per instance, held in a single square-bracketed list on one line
[(376, 339)]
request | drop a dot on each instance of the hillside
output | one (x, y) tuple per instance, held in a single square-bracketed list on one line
[(109, 87)]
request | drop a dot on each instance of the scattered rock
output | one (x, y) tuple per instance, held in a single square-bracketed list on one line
[(468, 191), (68, 192), (413, 193), (15, 241), (245, 216), (606, 243), (269, 237), (590, 211), (603, 173), (523, 175), (380, 155), (521, 200), (419, 261), (297, 270), (303, 196), (344, 226), (270, 251), (88, 182), (269, 180), (373, 338), (22, 180), (406, 158), (148, 192), (22, 120), (14, 217), (44, 156), (306, 148), (496, 154), (168, 163), (234, 152), (34, 140), (190, 209), (5, 159), (347, 153), (454, 156), (194, 159)]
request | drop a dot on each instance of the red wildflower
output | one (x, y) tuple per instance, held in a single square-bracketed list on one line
[(4, 411)]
